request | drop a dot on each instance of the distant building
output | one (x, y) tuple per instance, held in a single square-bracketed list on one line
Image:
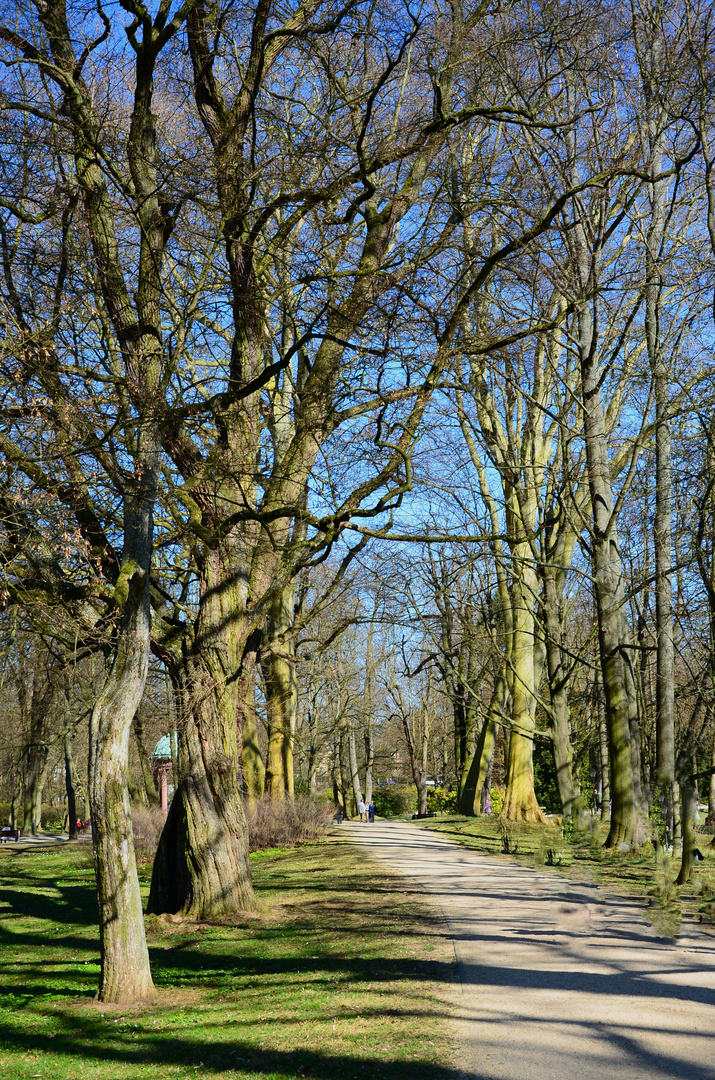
[(162, 763)]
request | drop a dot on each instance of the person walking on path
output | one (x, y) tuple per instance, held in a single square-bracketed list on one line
[(361, 810), (371, 811)]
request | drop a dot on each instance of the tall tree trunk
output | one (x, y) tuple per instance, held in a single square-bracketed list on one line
[(603, 750), (710, 820), (563, 750), (281, 696), (312, 749), (520, 801), (472, 795), (613, 636), (36, 756), (201, 869), (417, 740), (35, 775), (354, 771), (252, 766), (554, 578), (344, 785), (369, 758), (338, 793), (125, 973), (649, 49), (70, 787), (461, 751), (150, 794), (690, 806), (368, 711)]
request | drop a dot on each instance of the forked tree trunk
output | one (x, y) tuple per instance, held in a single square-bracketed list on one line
[(201, 869), (125, 974)]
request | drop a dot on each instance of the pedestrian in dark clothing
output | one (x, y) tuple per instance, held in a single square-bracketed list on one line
[(371, 811)]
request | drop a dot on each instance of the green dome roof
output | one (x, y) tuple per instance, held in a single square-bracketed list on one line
[(163, 747)]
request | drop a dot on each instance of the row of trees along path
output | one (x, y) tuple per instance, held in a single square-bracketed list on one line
[(253, 261)]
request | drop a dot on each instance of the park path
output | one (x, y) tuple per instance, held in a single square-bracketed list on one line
[(559, 981)]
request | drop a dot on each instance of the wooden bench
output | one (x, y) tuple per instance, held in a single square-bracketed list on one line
[(9, 834)]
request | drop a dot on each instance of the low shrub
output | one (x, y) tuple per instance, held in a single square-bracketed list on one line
[(441, 800), (52, 817), (496, 797), (148, 821), (286, 822), (391, 801)]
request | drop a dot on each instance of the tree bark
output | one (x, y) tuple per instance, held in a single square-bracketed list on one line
[(253, 768), (70, 787), (554, 580), (369, 758), (618, 682), (648, 39), (281, 696), (36, 756), (201, 869), (348, 809), (603, 750), (150, 793), (710, 820), (354, 771), (35, 775), (690, 806), (125, 974), (520, 801), (369, 705), (472, 795)]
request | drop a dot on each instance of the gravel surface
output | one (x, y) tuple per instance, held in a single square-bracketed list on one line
[(559, 980)]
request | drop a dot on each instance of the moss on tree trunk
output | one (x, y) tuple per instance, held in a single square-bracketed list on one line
[(125, 973), (201, 868)]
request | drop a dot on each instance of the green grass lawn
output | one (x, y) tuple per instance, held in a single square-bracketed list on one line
[(342, 973), (583, 857)]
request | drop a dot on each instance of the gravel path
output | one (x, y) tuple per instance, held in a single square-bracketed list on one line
[(560, 982)]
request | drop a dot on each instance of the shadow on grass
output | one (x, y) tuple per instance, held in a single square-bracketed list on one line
[(92, 1039), (202, 969), (77, 904), (234, 1054)]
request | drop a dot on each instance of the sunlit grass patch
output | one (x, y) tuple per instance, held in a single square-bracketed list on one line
[(342, 972)]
